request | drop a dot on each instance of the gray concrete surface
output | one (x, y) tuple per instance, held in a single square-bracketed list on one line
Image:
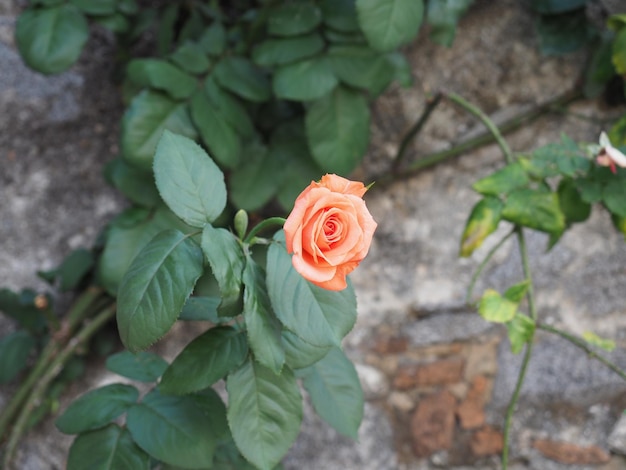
[(58, 132)]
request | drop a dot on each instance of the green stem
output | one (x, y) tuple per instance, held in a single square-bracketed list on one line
[(495, 132), (513, 403), (79, 310), (263, 225), (52, 371), (431, 104), (482, 265), (585, 347), (508, 155), (530, 294), (51, 349), (507, 126)]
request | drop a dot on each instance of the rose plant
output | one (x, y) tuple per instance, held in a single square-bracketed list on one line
[(269, 327)]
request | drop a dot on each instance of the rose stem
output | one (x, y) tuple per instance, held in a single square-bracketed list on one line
[(506, 150), (507, 126), (280, 221), (431, 104), (53, 370), (585, 347), (78, 311), (482, 265)]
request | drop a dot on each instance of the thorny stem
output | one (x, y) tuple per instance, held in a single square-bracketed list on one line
[(52, 371), (584, 346), (509, 125), (431, 104), (506, 150), (481, 266), (495, 132), (262, 225), (513, 403), (79, 310)]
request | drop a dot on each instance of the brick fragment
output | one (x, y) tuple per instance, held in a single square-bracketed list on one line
[(486, 441), (432, 424), (471, 412), (572, 454)]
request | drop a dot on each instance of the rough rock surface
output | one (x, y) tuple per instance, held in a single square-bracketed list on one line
[(58, 132)]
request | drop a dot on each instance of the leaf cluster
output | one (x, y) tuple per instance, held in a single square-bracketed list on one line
[(268, 328)]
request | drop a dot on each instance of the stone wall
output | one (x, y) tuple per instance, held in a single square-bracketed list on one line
[(437, 378)]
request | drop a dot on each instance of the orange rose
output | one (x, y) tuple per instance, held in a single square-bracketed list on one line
[(329, 231)]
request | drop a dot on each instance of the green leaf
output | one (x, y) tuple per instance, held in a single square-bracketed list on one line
[(155, 288), (590, 190), (502, 181), (285, 50), (161, 75), (305, 80), (291, 162), (617, 133), (264, 329), (201, 309), (549, 7), (481, 223), (128, 7), (616, 22), (401, 69), (536, 209), (97, 408), (168, 17), (443, 16), (110, 448), (205, 360), (72, 270), (143, 366), (619, 52), (318, 316), (292, 19), (188, 180), (563, 33), (137, 185), (243, 78), (228, 457), (520, 330), (299, 353), (340, 15), (335, 392), (191, 58), (595, 340), (600, 69), (149, 114), (213, 407), (21, 307), (614, 196), (563, 158), (338, 130), (14, 351), (50, 40), (255, 181), (96, 7), (264, 412), (495, 308), (174, 430), (217, 134), (388, 24), (126, 236), (572, 205), (229, 108), (213, 40), (516, 292), (361, 67), (620, 224), (225, 255)]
